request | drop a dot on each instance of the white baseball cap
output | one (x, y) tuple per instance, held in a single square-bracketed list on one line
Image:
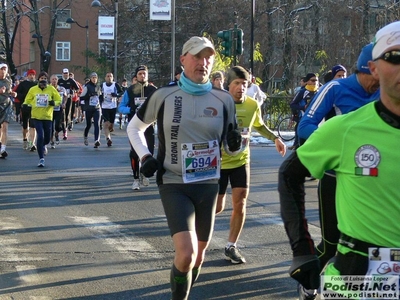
[(3, 65), (65, 71), (386, 38), (195, 44)]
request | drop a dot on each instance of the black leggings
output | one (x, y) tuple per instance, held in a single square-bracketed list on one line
[(327, 216), (57, 122), (26, 117), (95, 114)]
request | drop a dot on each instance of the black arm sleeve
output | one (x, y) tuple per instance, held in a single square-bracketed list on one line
[(120, 91), (295, 103), (74, 85), (292, 174)]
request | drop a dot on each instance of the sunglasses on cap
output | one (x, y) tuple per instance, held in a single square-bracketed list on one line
[(392, 57)]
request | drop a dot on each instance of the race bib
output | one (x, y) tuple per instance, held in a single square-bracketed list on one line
[(200, 161), (42, 100), (139, 101), (108, 98), (94, 101)]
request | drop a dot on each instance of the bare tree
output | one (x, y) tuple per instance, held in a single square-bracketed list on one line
[(12, 13), (9, 16), (33, 12)]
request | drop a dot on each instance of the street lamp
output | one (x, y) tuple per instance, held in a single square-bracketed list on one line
[(97, 3), (72, 21)]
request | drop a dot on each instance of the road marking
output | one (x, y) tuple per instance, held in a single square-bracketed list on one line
[(111, 233), (27, 274), (266, 219), (275, 219), (10, 250)]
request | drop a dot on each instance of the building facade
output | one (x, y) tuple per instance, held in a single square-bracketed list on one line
[(52, 43)]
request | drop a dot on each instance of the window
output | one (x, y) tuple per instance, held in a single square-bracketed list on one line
[(62, 16), (63, 51)]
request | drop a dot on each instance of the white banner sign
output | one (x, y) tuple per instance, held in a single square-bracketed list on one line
[(106, 28), (160, 9)]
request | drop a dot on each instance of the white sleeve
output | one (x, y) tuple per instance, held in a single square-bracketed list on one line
[(84, 91), (135, 131), (261, 94)]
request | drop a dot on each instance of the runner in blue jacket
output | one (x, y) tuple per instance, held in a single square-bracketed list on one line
[(335, 98)]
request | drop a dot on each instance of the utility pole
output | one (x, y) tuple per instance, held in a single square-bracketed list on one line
[(235, 38), (253, 9)]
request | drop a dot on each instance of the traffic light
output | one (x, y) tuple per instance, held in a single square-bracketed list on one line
[(227, 37), (239, 41)]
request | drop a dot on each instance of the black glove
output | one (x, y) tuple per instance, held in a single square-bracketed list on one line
[(52, 103), (92, 94), (149, 166), (233, 138), (114, 95), (26, 107), (305, 269)]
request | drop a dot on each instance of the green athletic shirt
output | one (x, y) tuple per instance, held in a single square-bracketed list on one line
[(248, 115), (364, 152)]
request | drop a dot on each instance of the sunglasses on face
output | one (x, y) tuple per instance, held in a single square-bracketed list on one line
[(313, 80), (392, 57)]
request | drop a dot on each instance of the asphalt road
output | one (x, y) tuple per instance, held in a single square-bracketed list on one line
[(76, 230)]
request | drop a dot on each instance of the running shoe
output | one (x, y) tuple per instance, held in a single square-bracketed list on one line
[(144, 180), (3, 154), (303, 295), (41, 163), (109, 142), (45, 151), (25, 145), (70, 126), (57, 140), (136, 185), (233, 254), (33, 148), (97, 144), (85, 141), (53, 146), (65, 136)]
